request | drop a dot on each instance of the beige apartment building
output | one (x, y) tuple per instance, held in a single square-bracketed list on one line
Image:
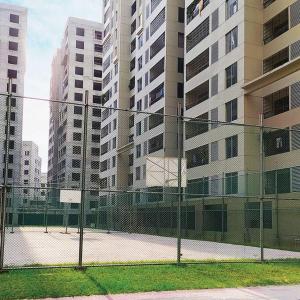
[(143, 49), (241, 61)]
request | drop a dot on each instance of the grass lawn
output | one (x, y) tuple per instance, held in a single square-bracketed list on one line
[(20, 284)]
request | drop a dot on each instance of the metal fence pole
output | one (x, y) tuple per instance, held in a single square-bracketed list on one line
[(261, 206), (180, 139), (82, 204), (5, 181)]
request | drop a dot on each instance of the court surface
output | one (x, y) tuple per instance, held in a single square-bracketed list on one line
[(30, 245)]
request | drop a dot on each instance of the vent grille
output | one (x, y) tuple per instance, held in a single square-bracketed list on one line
[(296, 137), (295, 13), (215, 20), (295, 50), (296, 179), (214, 52), (214, 85), (295, 95)]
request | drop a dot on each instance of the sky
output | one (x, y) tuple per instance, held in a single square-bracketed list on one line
[(45, 29)]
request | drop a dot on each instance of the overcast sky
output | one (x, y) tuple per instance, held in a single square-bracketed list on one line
[(46, 23)]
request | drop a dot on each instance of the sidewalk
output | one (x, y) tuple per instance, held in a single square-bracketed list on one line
[(255, 293)]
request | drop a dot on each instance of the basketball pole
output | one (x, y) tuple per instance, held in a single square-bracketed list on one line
[(179, 183)]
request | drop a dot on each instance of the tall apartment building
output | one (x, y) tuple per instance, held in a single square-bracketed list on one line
[(76, 68), (13, 29), (143, 49), (31, 173), (241, 61)]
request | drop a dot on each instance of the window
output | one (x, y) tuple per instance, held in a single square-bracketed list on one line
[(231, 39), (138, 173), (97, 99), (76, 150), (197, 157), (12, 59), (78, 110), (197, 35), (140, 84), (14, 32), (98, 35), (12, 73), (78, 97), (13, 46), (76, 163), (140, 62), (96, 125), (180, 65), (276, 103), (231, 8), (231, 146), (95, 138), (277, 142), (77, 136), (96, 112), (14, 18), (80, 31), (276, 60), (180, 40), (98, 73), (181, 14), (231, 110), (179, 90), (252, 214), (194, 10), (77, 123), (231, 75), (97, 86), (78, 71), (98, 61), (95, 151), (278, 181), (79, 84), (138, 151), (231, 183), (79, 57), (139, 105), (79, 45), (98, 48), (26, 162), (138, 128), (75, 176)]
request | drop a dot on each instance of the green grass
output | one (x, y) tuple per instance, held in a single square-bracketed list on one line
[(20, 284)]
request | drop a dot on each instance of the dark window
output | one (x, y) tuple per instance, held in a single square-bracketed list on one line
[(77, 136), (181, 14), (14, 32), (156, 143), (14, 18), (76, 150), (78, 97), (80, 31), (95, 151), (98, 35), (278, 181), (13, 46), (98, 61), (76, 163), (79, 84), (252, 214), (231, 75), (79, 57), (12, 59), (276, 142), (78, 71), (96, 125), (97, 99), (12, 73), (97, 86), (79, 45), (95, 138), (98, 48), (75, 176), (98, 73), (179, 90), (96, 112), (77, 123), (78, 110), (231, 8), (231, 110), (180, 40), (197, 157), (232, 146), (231, 39), (231, 183), (180, 65)]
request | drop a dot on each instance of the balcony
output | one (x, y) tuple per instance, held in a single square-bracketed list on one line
[(197, 65), (197, 95), (157, 70), (157, 94)]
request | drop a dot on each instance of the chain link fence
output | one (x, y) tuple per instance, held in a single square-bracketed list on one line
[(134, 187)]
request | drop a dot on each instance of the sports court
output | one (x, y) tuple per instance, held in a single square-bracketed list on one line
[(30, 245)]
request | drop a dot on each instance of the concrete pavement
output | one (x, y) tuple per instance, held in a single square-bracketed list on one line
[(253, 293)]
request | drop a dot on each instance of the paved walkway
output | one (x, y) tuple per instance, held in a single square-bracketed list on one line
[(255, 293)]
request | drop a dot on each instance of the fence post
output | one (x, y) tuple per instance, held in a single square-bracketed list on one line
[(83, 175), (5, 183), (261, 198), (180, 139)]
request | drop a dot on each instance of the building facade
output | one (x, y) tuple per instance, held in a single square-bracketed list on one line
[(31, 174), (76, 68), (142, 71), (13, 30), (233, 48)]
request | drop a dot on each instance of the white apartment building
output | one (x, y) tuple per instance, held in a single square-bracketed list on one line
[(143, 49), (76, 68), (13, 30), (241, 61), (43, 190), (31, 173)]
